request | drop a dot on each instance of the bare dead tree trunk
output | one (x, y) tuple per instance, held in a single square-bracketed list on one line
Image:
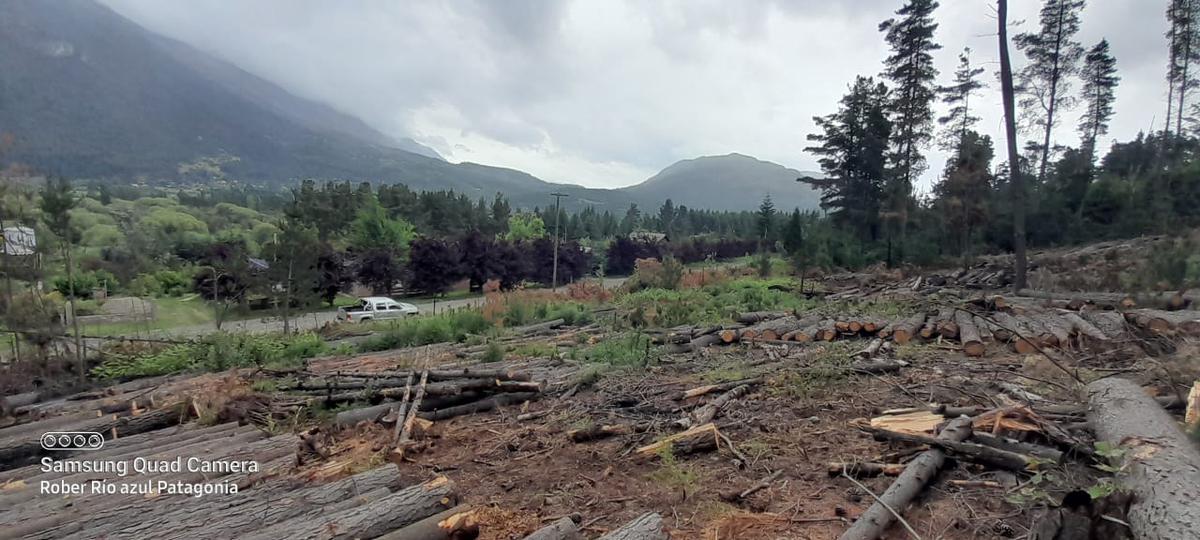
[(1016, 181)]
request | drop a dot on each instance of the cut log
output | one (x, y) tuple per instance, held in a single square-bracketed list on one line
[(876, 367), (729, 335), (9, 404), (826, 331), (1012, 445), (1164, 322), (755, 317), (482, 405), (274, 506), (1058, 330), (968, 335), (984, 329), (1162, 466), (458, 523), (719, 387), (698, 439), (1086, 333), (865, 469), (563, 529), (709, 411), (1107, 300), (1110, 323), (908, 328), (15, 449), (872, 523), (369, 520), (947, 327), (1022, 338), (648, 526), (870, 351), (603, 431), (372, 414)]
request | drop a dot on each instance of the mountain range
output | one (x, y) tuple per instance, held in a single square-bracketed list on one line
[(86, 93)]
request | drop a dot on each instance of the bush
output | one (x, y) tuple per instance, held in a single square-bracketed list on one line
[(624, 350), (446, 327), (493, 353), (82, 283), (216, 352)]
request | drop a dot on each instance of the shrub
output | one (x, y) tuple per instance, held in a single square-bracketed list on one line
[(624, 350), (493, 353), (215, 352)]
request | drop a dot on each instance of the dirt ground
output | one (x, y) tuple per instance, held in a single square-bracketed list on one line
[(526, 474)]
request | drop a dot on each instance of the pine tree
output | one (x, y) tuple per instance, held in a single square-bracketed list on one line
[(959, 120), (910, 69), (963, 190), (765, 218), (853, 147), (1184, 50), (1099, 87), (1045, 83)]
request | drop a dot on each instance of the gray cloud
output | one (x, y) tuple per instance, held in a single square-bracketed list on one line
[(606, 92)]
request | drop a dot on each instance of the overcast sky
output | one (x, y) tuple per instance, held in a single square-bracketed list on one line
[(605, 93)]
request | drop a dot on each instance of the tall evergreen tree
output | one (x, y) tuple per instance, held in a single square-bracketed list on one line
[(963, 190), (1099, 91), (852, 146), (959, 120), (910, 69), (1045, 83)]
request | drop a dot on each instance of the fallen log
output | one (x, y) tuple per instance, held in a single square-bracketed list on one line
[(1163, 322), (755, 317), (1107, 300), (870, 351), (1162, 466), (697, 439), (1110, 323), (603, 431), (9, 404), (1019, 447), (864, 469), (968, 335), (274, 506), (369, 520), (719, 387), (876, 367), (908, 328), (458, 523), (482, 405), (15, 449), (872, 523), (1191, 411), (372, 414), (563, 529), (709, 411), (648, 526)]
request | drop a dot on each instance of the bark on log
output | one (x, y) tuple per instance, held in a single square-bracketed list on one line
[(876, 367), (698, 439), (482, 405), (244, 513), (1111, 323), (1163, 322), (563, 529), (709, 411), (9, 404), (1012, 445), (872, 523), (600, 431), (1108, 300), (969, 451), (1022, 337), (755, 317), (870, 351), (370, 520), (1086, 332), (1162, 465), (457, 523), (364, 414), (719, 387), (968, 335), (907, 329), (1058, 330), (15, 449), (865, 469), (648, 526)]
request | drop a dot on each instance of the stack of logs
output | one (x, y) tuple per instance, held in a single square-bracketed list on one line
[(1026, 324), (446, 393)]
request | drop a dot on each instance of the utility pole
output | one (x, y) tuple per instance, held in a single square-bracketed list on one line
[(554, 273)]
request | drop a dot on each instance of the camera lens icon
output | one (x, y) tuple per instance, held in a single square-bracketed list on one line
[(72, 440)]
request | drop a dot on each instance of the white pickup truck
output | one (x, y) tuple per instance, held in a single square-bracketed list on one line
[(376, 308)]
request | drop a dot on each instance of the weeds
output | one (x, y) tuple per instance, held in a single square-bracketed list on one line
[(672, 474), (493, 353), (630, 349), (216, 352), (446, 327)]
